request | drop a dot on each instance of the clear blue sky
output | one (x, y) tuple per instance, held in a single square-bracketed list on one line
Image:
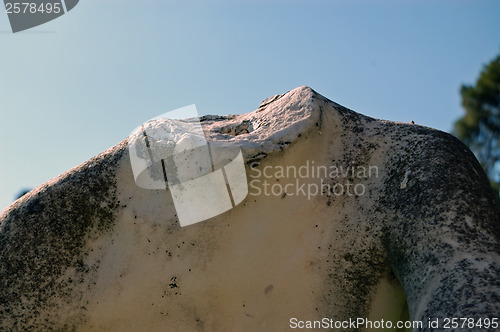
[(73, 87)]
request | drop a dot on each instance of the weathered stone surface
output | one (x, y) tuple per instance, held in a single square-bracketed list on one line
[(90, 251)]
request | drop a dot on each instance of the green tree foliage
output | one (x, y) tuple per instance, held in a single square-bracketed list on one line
[(479, 128)]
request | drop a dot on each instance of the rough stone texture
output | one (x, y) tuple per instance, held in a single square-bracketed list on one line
[(90, 251), (43, 238)]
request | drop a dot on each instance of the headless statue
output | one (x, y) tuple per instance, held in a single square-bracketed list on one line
[(347, 217)]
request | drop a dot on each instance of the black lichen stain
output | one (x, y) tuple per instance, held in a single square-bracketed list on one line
[(173, 283), (427, 225), (352, 272), (414, 224), (42, 239)]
